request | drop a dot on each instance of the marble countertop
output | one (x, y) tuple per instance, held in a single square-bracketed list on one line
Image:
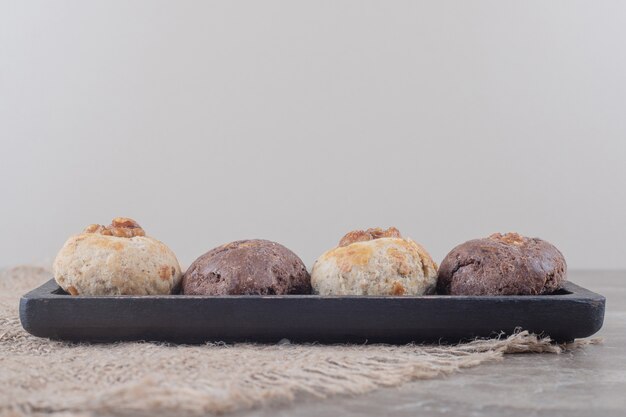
[(590, 381)]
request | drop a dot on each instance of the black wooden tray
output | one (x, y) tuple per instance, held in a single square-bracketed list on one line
[(47, 311)]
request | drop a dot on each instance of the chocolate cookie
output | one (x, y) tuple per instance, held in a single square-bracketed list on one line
[(507, 264), (247, 267)]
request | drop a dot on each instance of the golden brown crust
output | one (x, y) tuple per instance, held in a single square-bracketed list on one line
[(397, 289), (377, 232), (369, 234), (125, 222), (164, 272), (97, 264), (400, 258), (373, 264), (119, 227), (347, 257)]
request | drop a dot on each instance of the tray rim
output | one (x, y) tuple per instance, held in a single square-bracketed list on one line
[(46, 291)]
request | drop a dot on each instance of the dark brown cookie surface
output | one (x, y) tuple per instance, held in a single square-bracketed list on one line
[(507, 264), (247, 267)]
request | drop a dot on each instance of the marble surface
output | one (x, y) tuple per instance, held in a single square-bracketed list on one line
[(587, 382)]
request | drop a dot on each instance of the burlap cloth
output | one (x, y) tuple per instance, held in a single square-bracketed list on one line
[(39, 376)]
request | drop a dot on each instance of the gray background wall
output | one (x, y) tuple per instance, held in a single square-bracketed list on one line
[(299, 121)]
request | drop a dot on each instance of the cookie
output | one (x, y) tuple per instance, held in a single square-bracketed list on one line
[(508, 264), (374, 262), (247, 267), (116, 260)]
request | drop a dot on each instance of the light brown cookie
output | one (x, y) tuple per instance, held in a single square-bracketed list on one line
[(116, 260), (375, 262)]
